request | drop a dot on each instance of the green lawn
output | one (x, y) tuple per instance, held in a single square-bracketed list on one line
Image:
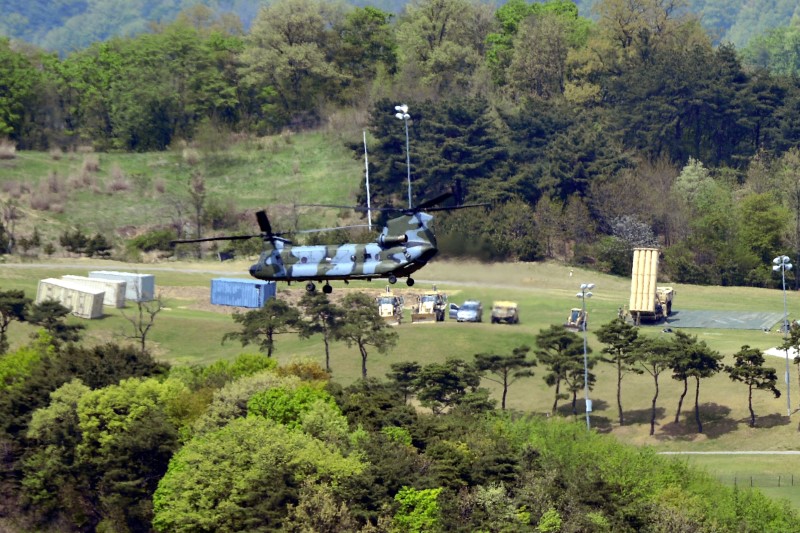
[(777, 476)]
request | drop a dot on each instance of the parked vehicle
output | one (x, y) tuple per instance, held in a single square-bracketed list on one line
[(390, 307), (506, 312), (470, 311), (577, 320), (648, 303), (453, 311), (430, 307)]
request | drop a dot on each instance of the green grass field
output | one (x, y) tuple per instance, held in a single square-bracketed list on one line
[(774, 475)]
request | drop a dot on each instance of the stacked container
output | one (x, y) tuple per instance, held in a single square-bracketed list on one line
[(83, 301), (114, 289), (139, 287)]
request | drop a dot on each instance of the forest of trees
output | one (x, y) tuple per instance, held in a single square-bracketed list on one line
[(65, 26), (588, 136), (104, 438)]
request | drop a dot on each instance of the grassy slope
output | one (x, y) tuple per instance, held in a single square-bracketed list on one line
[(316, 167), (274, 171)]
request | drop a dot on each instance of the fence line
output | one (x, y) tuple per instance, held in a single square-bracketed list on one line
[(785, 480)]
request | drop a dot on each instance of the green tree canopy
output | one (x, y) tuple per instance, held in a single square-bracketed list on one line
[(13, 306), (243, 476), (51, 315), (507, 369), (748, 367), (620, 340), (363, 326), (561, 353), (261, 325)]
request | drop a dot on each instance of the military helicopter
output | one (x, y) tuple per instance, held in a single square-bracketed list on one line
[(405, 245)]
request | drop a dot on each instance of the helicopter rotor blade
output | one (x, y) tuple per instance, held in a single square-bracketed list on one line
[(421, 207), (354, 207), (319, 230), (454, 207), (434, 201), (208, 239), (263, 222), (424, 206)]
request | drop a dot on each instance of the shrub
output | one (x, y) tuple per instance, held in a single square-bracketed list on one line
[(119, 184), (191, 156), (8, 149), (91, 163), (12, 188), (55, 183), (56, 154), (287, 406), (158, 239)]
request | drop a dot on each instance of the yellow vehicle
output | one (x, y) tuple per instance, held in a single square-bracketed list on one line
[(648, 303), (390, 307), (505, 311), (430, 307), (577, 320)]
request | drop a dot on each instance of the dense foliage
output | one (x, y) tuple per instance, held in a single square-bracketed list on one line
[(104, 440), (587, 136), (69, 25)]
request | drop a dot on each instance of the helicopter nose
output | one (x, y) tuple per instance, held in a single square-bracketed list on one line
[(254, 269)]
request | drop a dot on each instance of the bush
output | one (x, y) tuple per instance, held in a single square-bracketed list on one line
[(615, 256), (8, 149), (158, 239)]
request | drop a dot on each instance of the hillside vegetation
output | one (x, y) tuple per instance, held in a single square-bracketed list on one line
[(535, 467), (605, 141), (67, 26)]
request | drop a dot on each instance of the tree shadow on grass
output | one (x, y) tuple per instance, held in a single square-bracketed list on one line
[(713, 416), (600, 423), (768, 421), (642, 416)]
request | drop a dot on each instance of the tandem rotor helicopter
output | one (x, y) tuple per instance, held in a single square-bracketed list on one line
[(405, 245)]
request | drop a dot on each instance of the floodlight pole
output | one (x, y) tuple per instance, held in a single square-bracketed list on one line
[(402, 114), (782, 263), (366, 165), (585, 288)]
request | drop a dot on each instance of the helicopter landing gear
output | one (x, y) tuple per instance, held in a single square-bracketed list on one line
[(310, 287), (327, 289), (392, 279), (410, 282)]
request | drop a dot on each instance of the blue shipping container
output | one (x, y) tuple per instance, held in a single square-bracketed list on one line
[(241, 292), (139, 287)]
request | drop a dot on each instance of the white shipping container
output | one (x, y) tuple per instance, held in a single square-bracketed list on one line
[(114, 289), (139, 288), (82, 301)]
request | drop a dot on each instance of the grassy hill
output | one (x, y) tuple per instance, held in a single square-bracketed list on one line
[(118, 194)]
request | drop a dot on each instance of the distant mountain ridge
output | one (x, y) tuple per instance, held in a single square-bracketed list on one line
[(64, 26)]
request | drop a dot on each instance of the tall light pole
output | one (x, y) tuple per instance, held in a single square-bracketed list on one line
[(402, 114), (585, 288), (782, 263)]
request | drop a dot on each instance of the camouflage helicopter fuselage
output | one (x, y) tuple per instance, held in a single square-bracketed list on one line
[(404, 246)]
